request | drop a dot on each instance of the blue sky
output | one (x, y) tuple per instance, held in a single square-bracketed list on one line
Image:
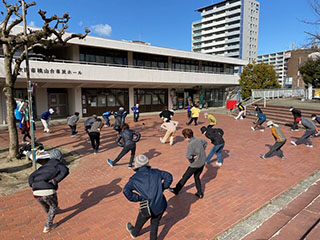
[(167, 23)]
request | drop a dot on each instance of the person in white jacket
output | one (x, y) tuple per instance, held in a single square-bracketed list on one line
[(171, 127)]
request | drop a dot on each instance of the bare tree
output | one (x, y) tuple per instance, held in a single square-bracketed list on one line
[(52, 33), (314, 37)]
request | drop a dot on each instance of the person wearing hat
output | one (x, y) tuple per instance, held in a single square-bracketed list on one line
[(171, 127), (45, 119), (44, 182), (296, 114), (280, 138), (215, 135), (242, 111), (310, 130), (147, 184), (129, 137), (119, 117), (196, 155), (211, 118)]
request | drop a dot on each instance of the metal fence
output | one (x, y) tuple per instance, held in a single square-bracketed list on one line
[(279, 93)]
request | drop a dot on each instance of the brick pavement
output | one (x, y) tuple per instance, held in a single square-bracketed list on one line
[(93, 206)]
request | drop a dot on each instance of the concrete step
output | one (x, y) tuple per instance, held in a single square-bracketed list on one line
[(298, 220)]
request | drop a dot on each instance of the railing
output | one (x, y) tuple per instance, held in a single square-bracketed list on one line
[(278, 93), (129, 66)]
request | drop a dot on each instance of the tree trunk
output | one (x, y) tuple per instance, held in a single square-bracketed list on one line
[(8, 92)]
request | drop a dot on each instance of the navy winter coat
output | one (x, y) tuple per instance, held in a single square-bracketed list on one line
[(128, 137), (41, 179), (150, 184)]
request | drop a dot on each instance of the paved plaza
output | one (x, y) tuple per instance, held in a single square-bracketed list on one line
[(92, 205)]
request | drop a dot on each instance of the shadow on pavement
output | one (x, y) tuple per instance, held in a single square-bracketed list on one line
[(90, 198)]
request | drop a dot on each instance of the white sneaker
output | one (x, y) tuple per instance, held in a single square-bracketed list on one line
[(310, 146), (170, 144), (48, 229), (161, 140), (252, 128), (218, 164), (293, 143), (261, 130)]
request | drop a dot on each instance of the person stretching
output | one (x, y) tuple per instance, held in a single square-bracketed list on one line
[(310, 130), (130, 137), (195, 112), (171, 127), (260, 120)]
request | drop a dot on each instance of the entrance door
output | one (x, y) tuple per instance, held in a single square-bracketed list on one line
[(59, 101)]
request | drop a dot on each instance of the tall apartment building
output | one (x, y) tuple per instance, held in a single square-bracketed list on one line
[(228, 28), (279, 61)]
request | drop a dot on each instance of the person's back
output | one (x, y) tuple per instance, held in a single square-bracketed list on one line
[(215, 135), (196, 152), (278, 133), (170, 126), (262, 117), (212, 120), (195, 112), (308, 124), (73, 120), (88, 123), (45, 115), (296, 113), (128, 136), (96, 126), (166, 114)]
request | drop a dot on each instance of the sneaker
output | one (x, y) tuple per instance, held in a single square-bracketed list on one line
[(199, 195), (109, 161), (161, 140), (296, 130), (170, 144), (219, 164), (283, 158), (95, 152), (130, 228), (252, 128), (310, 146), (172, 190), (130, 166), (261, 130), (73, 135), (48, 229), (292, 130), (262, 156), (293, 143)]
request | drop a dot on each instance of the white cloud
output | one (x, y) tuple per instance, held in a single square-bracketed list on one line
[(80, 23), (32, 24), (102, 29)]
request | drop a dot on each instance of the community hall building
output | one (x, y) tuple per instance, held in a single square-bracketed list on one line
[(95, 75)]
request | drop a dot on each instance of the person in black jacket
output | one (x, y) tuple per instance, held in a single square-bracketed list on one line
[(44, 183), (120, 117), (166, 114), (215, 135), (257, 109), (130, 137), (296, 114), (147, 184)]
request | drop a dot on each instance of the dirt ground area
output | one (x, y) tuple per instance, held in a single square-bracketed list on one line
[(14, 175)]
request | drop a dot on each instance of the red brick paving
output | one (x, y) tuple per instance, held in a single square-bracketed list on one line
[(93, 206)]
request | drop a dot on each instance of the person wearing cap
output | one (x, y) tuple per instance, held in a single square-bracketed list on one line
[(261, 118), (296, 114), (310, 130), (129, 137), (212, 120), (215, 135), (44, 182), (119, 117), (147, 184), (94, 134), (72, 122), (316, 119), (196, 155), (45, 119), (171, 127), (280, 138), (242, 111), (195, 113), (135, 110)]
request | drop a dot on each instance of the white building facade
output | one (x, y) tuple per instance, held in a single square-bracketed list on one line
[(279, 61), (228, 28), (96, 75)]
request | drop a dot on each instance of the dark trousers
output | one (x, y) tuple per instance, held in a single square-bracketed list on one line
[(73, 129), (190, 171), (306, 137), (25, 135), (258, 124), (141, 220), (294, 125), (195, 119), (95, 140), (125, 150), (189, 114), (135, 116), (276, 147)]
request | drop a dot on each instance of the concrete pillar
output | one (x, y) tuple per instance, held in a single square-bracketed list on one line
[(41, 101), (75, 100), (130, 58), (131, 99)]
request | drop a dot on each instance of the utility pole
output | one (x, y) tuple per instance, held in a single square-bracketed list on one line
[(29, 87)]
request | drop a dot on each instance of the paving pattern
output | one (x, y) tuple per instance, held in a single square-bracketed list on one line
[(92, 205)]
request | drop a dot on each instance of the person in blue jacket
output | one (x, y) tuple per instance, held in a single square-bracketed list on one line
[(316, 119), (261, 118), (147, 184), (106, 116), (45, 119), (135, 110)]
